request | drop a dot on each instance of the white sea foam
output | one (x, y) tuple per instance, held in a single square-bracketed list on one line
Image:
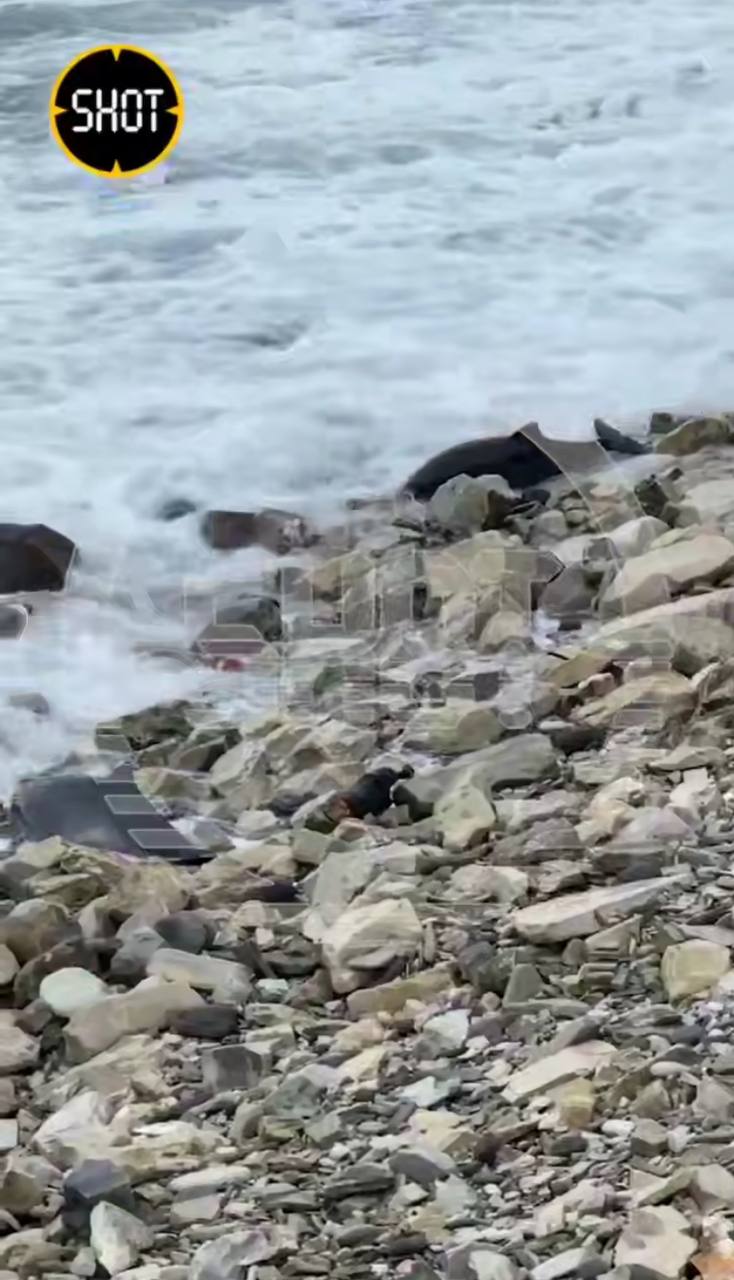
[(389, 225)]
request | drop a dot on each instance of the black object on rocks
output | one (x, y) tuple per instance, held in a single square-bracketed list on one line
[(209, 1022), (185, 931), (519, 458), (34, 557), (91, 1183), (104, 813), (372, 793)]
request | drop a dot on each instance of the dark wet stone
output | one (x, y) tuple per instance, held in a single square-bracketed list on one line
[(210, 1022), (361, 1179), (276, 531), (233, 1066), (175, 509), (92, 1182), (34, 557), (482, 966), (185, 931)]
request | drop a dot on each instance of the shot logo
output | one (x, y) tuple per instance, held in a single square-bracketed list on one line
[(116, 111)]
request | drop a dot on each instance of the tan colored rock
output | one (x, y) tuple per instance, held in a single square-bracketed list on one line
[(464, 816), (656, 1241), (203, 973), (146, 884), (695, 434), (712, 500), (575, 1102), (632, 538), (18, 1051), (505, 627), (556, 1069), (32, 927), (366, 938), (391, 997), (148, 1007), (333, 577), (650, 700), (653, 578), (693, 967), (576, 915), (458, 726)]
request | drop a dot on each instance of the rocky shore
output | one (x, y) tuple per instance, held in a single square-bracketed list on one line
[(439, 984)]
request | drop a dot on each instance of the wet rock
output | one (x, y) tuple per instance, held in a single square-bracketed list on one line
[(277, 531), (185, 931), (693, 967), (34, 557), (175, 509)]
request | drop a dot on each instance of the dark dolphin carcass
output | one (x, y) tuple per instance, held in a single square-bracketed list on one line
[(524, 459)]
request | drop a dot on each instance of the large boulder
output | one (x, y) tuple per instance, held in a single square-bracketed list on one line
[(664, 571), (34, 557)]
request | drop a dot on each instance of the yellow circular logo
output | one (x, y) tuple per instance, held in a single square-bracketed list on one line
[(116, 111)]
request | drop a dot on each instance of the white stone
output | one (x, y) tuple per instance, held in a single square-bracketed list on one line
[(369, 937), (70, 989), (117, 1237)]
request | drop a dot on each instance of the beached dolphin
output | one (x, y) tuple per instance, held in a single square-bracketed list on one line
[(524, 459)]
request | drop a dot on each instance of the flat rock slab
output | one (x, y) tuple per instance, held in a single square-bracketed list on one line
[(576, 915), (557, 1069)]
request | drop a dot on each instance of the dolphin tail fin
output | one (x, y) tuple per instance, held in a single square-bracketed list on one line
[(615, 441)]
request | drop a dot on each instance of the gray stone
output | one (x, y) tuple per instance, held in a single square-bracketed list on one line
[(117, 1237)]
